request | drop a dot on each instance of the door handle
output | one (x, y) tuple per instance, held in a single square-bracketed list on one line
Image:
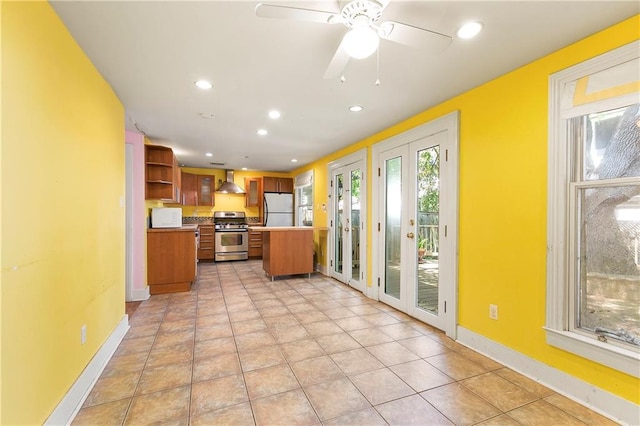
[(410, 235)]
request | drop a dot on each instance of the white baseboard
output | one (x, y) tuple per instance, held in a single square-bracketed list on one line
[(321, 268), (599, 400), (71, 403), (139, 294)]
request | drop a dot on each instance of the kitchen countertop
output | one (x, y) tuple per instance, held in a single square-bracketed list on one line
[(287, 228), (184, 228)]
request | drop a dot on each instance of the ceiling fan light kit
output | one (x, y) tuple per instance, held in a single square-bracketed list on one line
[(361, 17), (360, 42)]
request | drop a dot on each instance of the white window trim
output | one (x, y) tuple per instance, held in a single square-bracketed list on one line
[(300, 181), (557, 326)]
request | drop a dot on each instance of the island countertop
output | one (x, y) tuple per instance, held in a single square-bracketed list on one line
[(287, 228)]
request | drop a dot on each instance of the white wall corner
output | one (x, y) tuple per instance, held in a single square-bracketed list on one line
[(140, 294), (321, 268), (70, 404), (599, 400)]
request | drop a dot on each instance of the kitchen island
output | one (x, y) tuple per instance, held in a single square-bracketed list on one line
[(287, 250)]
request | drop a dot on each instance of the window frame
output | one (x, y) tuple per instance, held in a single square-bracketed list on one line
[(561, 220), (301, 181)]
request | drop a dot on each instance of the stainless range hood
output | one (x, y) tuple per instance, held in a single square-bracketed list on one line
[(229, 186)]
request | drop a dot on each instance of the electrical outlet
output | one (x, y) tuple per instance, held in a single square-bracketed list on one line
[(83, 334), (493, 312)]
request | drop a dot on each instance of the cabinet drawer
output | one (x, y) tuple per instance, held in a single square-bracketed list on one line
[(205, 229), (205, 253)]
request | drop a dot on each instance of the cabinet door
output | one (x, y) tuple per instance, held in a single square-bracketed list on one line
[(270, 184), (189, 182), (253, 188), (286, 185), (205, 190)]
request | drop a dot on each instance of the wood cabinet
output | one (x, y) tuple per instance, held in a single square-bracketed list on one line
[(206, 247), (198, 190), (189, 189), (255, 244), (205, 190), (162, 174), (277, 184), (287, 251), (171, 259), (253, 189)]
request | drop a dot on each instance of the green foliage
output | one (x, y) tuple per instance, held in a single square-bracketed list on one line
[(429, 180)]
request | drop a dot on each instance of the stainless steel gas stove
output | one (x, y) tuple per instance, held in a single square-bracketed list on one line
[(231, 236)]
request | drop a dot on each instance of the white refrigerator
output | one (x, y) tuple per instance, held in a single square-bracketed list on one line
[(278, 209)]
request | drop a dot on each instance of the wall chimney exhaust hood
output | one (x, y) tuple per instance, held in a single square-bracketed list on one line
[(229, 186)]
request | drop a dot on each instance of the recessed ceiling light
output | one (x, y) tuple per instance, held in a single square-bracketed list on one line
[(203, 84), (274, 114), (262, 132), (208, 154), (244, 168), (207, 115), (293, 160), (356, 108), (469, 30)]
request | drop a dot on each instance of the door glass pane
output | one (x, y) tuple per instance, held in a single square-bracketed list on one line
[(428, 204), (608, 275), (205, 190), (253, 193), (393, 212), (338, 221), (355, 224)]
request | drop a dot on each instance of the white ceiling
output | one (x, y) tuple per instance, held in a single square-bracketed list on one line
[(152, 52)]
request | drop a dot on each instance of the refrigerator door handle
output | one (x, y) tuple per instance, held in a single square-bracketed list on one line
[(266, 212)]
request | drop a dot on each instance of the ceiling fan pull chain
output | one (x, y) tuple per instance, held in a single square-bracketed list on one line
[(378, 66)]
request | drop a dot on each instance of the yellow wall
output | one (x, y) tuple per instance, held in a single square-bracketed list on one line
[(503, 178), (62, 211)]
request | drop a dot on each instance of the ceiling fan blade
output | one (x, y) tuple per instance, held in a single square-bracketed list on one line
[(286, 12), (414, 36), (338, 63)]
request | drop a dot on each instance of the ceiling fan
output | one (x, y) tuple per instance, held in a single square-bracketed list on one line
[(361, 17)]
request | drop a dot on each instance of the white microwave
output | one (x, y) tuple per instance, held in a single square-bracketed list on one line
[(166, 217)]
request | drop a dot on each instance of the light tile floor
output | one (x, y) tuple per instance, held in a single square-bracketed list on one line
[(240, 349)]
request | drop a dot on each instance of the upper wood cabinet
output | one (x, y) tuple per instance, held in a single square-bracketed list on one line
[(206, 188), (253, 189), (189, 189), (277, 184), (198, 190), (162, 175)]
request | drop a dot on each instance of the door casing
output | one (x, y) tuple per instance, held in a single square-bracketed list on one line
[(449, 213)]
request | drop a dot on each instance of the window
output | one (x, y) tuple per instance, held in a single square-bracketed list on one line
[(593, 273), (304, 199)]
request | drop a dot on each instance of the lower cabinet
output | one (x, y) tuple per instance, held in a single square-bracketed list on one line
[(287, 252), (206, 247), (255, 244), (171, 260)]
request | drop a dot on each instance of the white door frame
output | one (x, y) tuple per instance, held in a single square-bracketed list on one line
[(449, 213), (357, 156), (129, 156)]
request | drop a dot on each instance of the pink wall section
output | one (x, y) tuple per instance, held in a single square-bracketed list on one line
[(139, 226)]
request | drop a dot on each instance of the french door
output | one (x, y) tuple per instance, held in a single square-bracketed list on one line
[(347, 224), (417, 213)]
